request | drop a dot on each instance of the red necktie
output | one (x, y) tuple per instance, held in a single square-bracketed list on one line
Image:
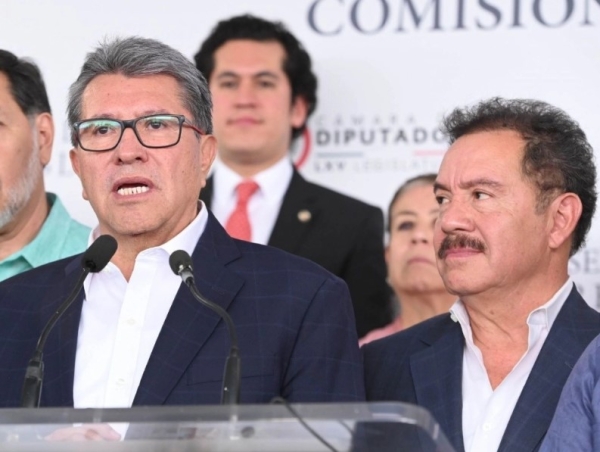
[(238, 224)]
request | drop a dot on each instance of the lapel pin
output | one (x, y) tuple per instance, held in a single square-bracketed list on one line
[(304, 216)]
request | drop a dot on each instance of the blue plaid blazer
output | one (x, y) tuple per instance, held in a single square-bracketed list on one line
[(423, 365), (294, 322)]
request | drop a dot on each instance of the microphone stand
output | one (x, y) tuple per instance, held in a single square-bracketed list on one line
[(181, 264), (232, 373), (34, 375), (95, 258)]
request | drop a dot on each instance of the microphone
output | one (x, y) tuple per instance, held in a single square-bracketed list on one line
[(94, 260), (181, 264)]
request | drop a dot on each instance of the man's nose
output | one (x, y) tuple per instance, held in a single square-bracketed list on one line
[(246, 94), (130, 148), (454, 216), (421, 234)]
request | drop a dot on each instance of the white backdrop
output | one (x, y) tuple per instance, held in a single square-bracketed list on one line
[(388, 70)]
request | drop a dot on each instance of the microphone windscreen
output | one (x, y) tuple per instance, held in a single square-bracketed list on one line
[(98, 255), (178, 260)]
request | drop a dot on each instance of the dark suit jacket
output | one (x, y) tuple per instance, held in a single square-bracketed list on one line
[(343, 235), (294, 321), (423, 365)]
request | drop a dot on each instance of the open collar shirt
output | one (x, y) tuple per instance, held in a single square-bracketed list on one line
[(486, 411), (121, 320)]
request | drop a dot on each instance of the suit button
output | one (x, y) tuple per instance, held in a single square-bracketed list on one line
[(304, 216)]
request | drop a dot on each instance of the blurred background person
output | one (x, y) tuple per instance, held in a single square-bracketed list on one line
[(35, 228), (419, 292), (264, 91)]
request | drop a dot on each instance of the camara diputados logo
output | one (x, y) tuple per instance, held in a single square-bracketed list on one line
[(362, 143)]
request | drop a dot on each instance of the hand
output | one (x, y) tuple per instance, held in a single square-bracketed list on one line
[(90, 432)]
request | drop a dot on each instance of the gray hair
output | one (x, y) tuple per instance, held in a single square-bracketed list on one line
[(135, 56)]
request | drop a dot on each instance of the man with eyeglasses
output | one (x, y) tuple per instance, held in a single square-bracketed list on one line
[(35, 227), (140, 114)]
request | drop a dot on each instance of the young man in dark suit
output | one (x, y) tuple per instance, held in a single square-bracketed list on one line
[(263, 92), (517, 195), (136, 336)]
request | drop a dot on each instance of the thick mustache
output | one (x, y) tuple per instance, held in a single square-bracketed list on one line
[(459, 241)]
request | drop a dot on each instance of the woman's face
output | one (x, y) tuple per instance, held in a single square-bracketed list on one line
[(410, 255)]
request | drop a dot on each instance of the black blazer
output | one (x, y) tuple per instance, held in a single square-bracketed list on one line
[(294, 323), (343, 235), (423, 365)]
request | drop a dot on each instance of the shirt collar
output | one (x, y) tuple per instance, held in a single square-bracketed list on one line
[(272, 182), (51, 237), (544, 315), (186, 240)]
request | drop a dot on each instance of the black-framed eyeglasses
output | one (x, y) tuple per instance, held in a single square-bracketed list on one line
[(153, 131)]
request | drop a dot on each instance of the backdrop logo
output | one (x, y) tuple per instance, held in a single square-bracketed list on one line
[(376, 143), (334, 17)]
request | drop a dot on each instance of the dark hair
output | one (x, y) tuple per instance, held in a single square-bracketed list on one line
[(297, 65), (26, 83), (137, 56), (423, 179), (557, 158)]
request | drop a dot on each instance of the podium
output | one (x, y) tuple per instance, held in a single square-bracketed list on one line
[(355, 427)]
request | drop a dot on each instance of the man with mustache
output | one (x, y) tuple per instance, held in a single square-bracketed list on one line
[(35, 228), (264, 91), (517, 195)]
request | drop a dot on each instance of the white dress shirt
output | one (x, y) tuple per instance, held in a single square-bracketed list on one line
[(264, 205), (120, 321), (486, 411)]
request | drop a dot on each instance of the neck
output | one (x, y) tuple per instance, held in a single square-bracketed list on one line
[(416, 307), (130, 245), (129, 248), (250, 168), (126, 254), (499, 323), (25, 225), (500, 312)]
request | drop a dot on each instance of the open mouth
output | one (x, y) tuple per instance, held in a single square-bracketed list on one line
[(132, 189)]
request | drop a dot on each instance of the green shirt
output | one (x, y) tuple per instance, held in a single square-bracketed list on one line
[(60, 236)]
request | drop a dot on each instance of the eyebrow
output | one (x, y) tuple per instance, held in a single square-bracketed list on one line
[(269, 74), (479, 182), (160, 111)]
